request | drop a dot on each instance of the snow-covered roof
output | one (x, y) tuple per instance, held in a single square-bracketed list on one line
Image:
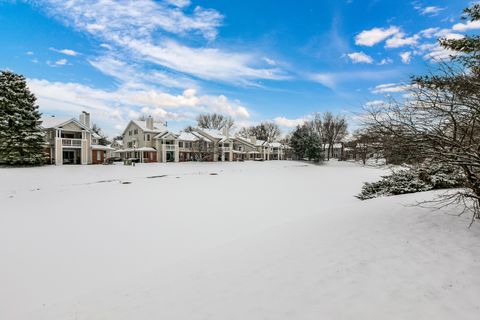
[(245, 141), (275, 144), (136, 149), (157, 127), (189, 136), (53, 122), (145, 149), (216, 134), (164, 134), (100, 147)]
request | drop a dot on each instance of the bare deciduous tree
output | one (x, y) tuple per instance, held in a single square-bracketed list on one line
[(334, 128), (214, 121), (267, 131)]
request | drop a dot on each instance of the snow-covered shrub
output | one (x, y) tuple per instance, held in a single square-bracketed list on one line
[(427, 177)]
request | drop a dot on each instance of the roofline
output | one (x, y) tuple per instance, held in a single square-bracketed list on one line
[(68, 121)]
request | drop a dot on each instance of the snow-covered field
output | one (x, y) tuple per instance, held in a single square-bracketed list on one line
[(269, 240)]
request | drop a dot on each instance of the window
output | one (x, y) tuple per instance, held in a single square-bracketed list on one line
[(135, 131), (180, 144), (99, 156), (148, 137), (130, 144), (130, 132)]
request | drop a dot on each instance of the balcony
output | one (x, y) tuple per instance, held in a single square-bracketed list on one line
[(75, 143), (169, 147), (225, 149)]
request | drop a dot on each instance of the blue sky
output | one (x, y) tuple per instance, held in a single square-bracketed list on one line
[(253, 60)]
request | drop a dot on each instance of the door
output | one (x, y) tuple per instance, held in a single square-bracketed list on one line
[(68, 157)]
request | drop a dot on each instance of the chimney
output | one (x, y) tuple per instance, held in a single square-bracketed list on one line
[(85, 119), (149, 123), (253, 139), (225, 132)]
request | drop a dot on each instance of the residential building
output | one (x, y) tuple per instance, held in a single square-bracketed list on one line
[(139, 142), (70, 141)]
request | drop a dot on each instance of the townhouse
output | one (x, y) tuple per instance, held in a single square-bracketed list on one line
[(72, 141)]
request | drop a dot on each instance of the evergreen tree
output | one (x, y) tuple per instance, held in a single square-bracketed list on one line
[(306, 143), (21, 138)]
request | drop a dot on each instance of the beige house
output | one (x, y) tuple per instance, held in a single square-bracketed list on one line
[(139, 142), (72, 141)]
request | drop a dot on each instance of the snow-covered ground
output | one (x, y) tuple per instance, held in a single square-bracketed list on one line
[(253, 240)]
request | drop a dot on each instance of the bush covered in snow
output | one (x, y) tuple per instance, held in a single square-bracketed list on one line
[(424, 178)]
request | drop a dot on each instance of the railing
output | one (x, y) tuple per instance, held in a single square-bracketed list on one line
[(169, 147), (71, 142), (225, 149)]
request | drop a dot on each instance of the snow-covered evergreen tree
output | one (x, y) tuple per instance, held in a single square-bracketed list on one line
[(21, 138)]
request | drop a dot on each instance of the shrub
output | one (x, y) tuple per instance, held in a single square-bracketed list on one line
[(413, 180)]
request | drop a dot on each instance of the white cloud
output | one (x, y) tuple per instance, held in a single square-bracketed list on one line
[(385, 61), (399, 40), (429, 10), (429, 33), (29, 53), (179, 3), (124, 25), (205, 63), (269, 61), (133, 75), (61, 62), (373, 103), (290, 123), (390, 88), (360, 57), (333, 79), (67, 52), (129, 18), (406, 57), (373, 36), (436, 52), (470, 25), (329, 80)]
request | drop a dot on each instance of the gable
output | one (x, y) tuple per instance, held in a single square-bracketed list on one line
[(132, 126), (71, 126)]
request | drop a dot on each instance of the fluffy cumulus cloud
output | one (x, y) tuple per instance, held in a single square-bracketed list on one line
[(373, 36), (406, 57), (470, 25), (360, 57), (400, 40)]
